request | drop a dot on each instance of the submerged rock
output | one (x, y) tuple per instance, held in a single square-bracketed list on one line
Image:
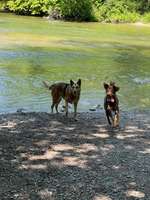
[(21, 110), (96, 107), (141, 81)]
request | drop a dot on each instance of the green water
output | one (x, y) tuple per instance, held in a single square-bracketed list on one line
[(35, 49)]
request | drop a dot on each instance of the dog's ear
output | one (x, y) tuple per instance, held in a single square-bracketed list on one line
[(71, 82), (105, 86), (116, 89), (79, 82)]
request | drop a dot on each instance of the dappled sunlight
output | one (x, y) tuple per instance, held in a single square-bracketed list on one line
[(129, 147), (20, 148), (27, 121), (146, 151), (86, 136), (69, 128), (107, 148), (42, 142), (68, 161), (125, 136), (148, 126), (48, 155), (133, 130), (24, 156), (147, 142), (62, 147), (135, 193), (9, 124), (115, 167), (33, 167), (85, 148), (132, 184), (101, 128), (74, 161), (56, 123), (101, 135), (59, 155), (46, 194), (55, 157), (102, 197)]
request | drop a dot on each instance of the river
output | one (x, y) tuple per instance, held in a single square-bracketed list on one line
[(34, 49)]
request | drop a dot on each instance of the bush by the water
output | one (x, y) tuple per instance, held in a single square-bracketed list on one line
[(116, 11), (84, 10), (146, 17), (79, 10), (29, 7), (3, 4)]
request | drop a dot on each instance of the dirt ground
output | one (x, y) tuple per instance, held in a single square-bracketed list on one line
[(50, 157)]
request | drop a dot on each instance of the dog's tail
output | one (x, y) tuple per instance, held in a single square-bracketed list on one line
[(46, 84)]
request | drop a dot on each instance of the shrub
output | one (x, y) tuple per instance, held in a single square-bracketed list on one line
[(146, 17), (142, 6), (83, 10), (29, 7), (78, 10), (3, 4), (116, 11)]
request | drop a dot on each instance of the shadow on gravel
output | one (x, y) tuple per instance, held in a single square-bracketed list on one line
[(49, 157)]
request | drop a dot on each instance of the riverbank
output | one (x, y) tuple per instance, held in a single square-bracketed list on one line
[(45, 156)]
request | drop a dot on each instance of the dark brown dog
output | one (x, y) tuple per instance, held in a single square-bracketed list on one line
[(70, 92), (111, 103)]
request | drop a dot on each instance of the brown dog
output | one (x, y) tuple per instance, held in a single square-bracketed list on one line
[(70, 92), (111, 103)]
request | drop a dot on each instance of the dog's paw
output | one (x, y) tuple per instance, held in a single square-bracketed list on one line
[(75, 119)]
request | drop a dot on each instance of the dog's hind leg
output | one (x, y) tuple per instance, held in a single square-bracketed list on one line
[(116, 119), (56, 105), (66, 107), (52, 107)]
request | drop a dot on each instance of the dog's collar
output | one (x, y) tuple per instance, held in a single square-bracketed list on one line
[(110, 99)]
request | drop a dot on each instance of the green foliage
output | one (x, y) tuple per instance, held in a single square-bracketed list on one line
[(79, 10), (117, 11), (84, 10), (146, 17), (142, 6), (3, 4), (29, 7)]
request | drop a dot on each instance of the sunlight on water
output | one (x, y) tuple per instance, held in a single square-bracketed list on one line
[(34, 49)]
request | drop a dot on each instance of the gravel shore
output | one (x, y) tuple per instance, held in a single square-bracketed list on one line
[(50, 157)]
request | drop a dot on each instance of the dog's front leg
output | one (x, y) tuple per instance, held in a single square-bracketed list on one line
[(66, 107), (108, 113), (75, 111)]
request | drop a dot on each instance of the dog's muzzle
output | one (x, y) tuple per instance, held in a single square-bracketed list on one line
[(75, 92)]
